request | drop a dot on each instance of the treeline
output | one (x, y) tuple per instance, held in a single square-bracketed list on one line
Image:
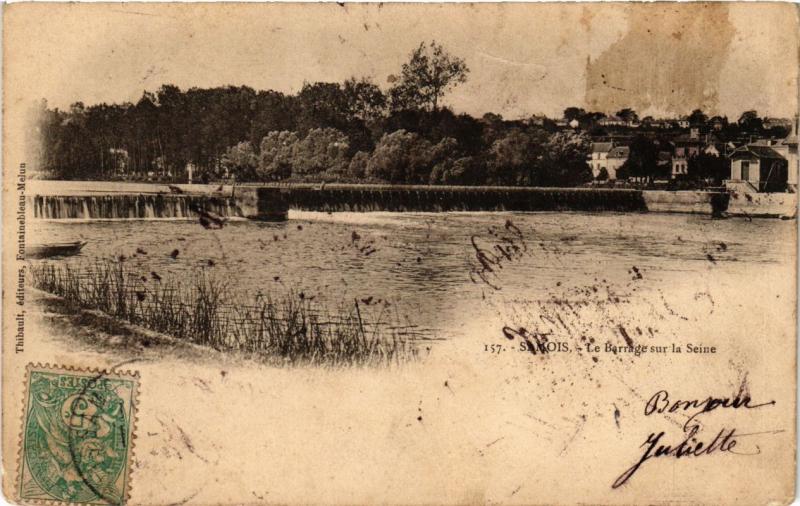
[(354, 132), (350, 131)]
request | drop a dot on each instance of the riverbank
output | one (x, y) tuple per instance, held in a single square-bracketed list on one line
[(201, 309)]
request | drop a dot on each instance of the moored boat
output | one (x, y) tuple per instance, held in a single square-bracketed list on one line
[(54, 249)]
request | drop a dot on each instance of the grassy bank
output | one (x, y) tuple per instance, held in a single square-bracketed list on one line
[(284, 329)]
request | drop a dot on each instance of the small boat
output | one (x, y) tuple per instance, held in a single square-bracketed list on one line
[(54, 249)]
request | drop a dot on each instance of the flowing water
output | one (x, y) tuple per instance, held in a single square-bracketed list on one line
[(426, 269)]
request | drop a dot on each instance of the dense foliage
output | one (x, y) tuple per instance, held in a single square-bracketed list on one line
[(352, 131)]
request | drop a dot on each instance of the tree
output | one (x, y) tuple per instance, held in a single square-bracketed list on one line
[(563, 161), (357, 169), (642, 160), (708, 167), (277, 155), (274, 111), (241, 161), (426, 77), (323, 150), (750, 122), (322, 105), (513, 157), (401, 157), (628, 115), (698, 117), (593, 117), (602, 175), (468, 170), (365, 101), (571, 113)]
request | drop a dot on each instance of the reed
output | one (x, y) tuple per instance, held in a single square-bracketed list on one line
[(282, 328)]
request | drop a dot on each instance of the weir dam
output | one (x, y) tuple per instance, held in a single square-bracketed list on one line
[(271, 202)]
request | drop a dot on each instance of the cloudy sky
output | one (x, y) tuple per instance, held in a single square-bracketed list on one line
[(524, 58)]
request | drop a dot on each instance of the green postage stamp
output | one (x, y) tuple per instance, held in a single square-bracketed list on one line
[(77, 436)]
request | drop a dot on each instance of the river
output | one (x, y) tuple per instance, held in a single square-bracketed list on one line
[(424, 268)]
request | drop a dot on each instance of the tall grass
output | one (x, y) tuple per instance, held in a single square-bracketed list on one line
[(282, 329)]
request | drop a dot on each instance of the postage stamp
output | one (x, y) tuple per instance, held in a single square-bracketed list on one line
[(77, 435)]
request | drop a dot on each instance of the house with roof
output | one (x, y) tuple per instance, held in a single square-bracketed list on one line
[(713, 146), (612, 121), (770, 123), (567, 123), (616, 157), (663, 124), (759, 167), (716, 123), (686, 146), (787, 148), (680, 166), (598, 157)]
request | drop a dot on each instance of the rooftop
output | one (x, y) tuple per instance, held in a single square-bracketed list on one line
[(619, 152), (758, 151), (602, 147)]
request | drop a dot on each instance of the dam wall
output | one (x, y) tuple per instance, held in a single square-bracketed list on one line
[(399, 198), (691, 202), (271, 202), (262, 204), (128, 206)]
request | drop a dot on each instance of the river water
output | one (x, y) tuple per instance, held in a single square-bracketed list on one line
[(424, 269)]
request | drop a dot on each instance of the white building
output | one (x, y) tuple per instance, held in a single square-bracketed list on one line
[(616, 157), (787, 148), (599, 156), (607, 157)]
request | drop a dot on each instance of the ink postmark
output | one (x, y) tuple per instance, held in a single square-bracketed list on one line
[(77, 434)]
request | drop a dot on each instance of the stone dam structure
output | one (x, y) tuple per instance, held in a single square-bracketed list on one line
[(132, 207), (272, 202)]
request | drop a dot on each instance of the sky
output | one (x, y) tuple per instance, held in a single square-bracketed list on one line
[(524, 59)]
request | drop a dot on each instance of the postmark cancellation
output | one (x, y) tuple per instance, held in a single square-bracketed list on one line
[(77, 436)]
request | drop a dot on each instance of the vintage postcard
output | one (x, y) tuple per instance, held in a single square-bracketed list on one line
[(397, 253)]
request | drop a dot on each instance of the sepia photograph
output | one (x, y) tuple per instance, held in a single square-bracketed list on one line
[(390, 253)]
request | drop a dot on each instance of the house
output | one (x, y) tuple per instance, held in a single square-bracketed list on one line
[(770, 123), (787, 148), (716, 123), (680, 166), (616, 157), (714, 149), (688, 145), (762, 167), (683, 122), (612, 121), (598, 159), (663, 124)]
